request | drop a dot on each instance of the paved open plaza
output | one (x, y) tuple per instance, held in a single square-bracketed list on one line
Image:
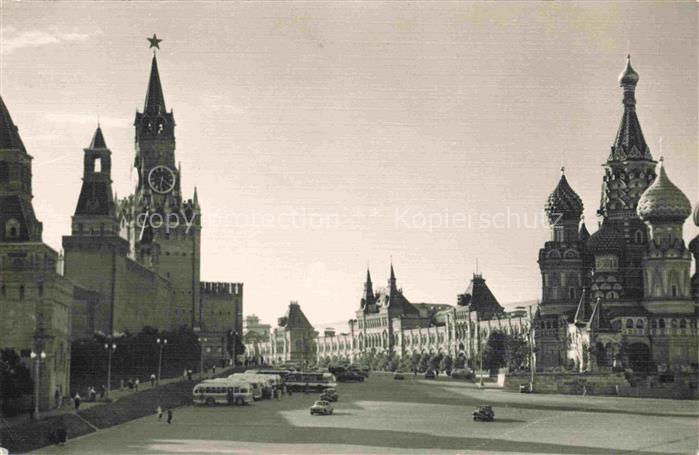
[(412, 416)]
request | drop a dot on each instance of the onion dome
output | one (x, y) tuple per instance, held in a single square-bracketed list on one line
[(563, 201), (606, 239), (628, 76), (663, 201)]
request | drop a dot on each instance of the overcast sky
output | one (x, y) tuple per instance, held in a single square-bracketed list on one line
[(323, 137)]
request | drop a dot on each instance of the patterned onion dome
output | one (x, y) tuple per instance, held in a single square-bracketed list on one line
[(628, 76), (607, 238), (563, 201), (663, 201)]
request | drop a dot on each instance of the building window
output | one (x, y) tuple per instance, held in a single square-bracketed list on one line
[(639, 324), (4, 172), (629, 323), (3, 290), (21, 292), (12, 229), (41, 290), (683, 323), (674, 290), (639, 237), (571, 293), (661, 323)]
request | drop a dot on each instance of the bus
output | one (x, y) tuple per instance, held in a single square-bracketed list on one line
[(257, 384), (271, 371), (301, 381), (222, 391)]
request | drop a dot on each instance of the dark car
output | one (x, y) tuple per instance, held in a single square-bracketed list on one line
[(525, 388), (429, 374), (329, 395), (484, 413), (349, 376), (398, 375)]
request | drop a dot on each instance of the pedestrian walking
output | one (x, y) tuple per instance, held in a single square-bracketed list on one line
[(169, 416), (189, 375), (214, 369), (77, 401), (103, 390), (152, 380), (160, 413), (137, 382), (57, 398)]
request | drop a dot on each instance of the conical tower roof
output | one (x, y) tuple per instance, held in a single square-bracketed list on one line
[(9, 134), (98, 139), (155, 101)]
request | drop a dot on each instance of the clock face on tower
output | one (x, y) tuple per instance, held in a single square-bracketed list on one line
[(161, 179)]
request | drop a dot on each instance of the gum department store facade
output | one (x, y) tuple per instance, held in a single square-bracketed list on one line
[(117, 274), (620, 297)]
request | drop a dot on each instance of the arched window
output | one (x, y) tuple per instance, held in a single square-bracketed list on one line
[(674, 290), (683, 323), (21, 292), (653, 324), (638, 236), (629, 323), (12, 229), (97, 165), (639, 324), (673, 323), (661, 323), (571, 293)]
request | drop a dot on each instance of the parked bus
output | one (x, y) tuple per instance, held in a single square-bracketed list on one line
[(310, 381), (257, 384), (223, 391), (271, 371)]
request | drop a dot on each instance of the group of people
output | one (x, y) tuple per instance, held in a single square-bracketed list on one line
[(159, 412)]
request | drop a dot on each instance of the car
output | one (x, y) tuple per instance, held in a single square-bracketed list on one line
[(462, 373), (399, 375), (484, 413), (321, 407), (349, 376), (329, 395), (525, 388), (429, 374)]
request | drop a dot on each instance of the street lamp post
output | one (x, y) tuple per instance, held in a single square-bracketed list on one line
[(37, 371), (161, 343), (110, 347), (201, 358)]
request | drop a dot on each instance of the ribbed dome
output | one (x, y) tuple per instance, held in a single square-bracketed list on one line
[(607, 238), (628, 76), (663, 201), (563, 201)]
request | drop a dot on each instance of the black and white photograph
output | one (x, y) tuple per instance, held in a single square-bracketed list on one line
[(349, 227)]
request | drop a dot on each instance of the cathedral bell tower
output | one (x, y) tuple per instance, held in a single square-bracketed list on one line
[(167, 228)]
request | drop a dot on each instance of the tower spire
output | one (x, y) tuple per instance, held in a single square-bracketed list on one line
[(155, 101), (629, 142)]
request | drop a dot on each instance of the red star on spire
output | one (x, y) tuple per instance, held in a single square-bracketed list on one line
[(154, 42)]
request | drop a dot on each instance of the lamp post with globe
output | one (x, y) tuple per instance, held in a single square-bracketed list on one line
[(161, 342), (110, 347), (37, 358)]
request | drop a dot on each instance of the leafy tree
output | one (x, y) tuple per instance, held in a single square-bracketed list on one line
[(15, 381), (516, 352), (494, 351), (461, 361), (446, 364), (424, 363)]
